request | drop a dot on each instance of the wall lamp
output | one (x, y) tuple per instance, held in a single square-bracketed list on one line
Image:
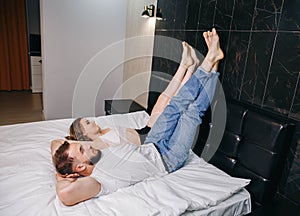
[(149, 11)]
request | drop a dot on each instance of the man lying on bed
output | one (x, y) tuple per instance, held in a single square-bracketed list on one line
[(85, 171)]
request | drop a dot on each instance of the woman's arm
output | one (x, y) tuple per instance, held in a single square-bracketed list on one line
[(132, 136), (74, 190)]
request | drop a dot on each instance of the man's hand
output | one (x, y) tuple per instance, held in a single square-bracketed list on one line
[(70, 188), (70, 177)]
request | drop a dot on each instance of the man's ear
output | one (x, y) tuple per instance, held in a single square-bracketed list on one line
[(80, 167)]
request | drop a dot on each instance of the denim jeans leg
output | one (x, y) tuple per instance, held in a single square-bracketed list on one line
[(182, 139), (165, 125), (180, 119)]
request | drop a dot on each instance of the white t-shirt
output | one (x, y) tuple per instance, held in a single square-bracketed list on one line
[(120, 135), (127, 164), (113, 136)]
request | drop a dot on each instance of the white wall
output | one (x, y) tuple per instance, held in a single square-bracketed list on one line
[(82, 54), (138, 52)]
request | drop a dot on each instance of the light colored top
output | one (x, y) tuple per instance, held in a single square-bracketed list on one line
[(127, 164), (113, 136), (120, 135)]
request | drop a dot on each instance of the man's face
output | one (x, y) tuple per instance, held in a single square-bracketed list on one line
[(84, 153)]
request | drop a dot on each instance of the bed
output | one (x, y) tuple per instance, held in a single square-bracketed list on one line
[(27, 179)]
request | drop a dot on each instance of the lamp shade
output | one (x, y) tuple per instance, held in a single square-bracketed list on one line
[(145, 13)]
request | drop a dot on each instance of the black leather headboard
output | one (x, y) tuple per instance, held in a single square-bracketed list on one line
[(254, 146)]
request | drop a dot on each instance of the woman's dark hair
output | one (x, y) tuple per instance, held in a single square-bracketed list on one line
[(76, 132)]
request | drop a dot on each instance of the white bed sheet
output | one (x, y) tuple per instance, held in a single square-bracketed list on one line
[(27, 179)]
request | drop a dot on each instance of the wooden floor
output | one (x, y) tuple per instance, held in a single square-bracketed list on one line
[(20, 107)]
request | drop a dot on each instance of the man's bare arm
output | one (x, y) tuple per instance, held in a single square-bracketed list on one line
[(74, 190), (55, 145), (70, 189)]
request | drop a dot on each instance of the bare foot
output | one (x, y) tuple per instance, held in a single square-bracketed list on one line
[(195, 57), (207, 37), (186, 58), (196, 61), (215, 53)]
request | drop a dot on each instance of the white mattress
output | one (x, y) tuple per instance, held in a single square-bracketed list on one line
[(27, 179)]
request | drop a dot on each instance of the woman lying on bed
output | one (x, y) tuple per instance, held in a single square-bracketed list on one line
[(166, 147), (83, 129)]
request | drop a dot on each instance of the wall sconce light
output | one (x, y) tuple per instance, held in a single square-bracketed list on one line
[(149, 12)]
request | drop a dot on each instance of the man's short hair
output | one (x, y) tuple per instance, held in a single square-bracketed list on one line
[(61, 160)]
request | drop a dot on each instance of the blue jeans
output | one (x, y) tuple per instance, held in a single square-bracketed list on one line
[(174, 131)]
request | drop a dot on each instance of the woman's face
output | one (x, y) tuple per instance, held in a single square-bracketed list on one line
[(90, 128)]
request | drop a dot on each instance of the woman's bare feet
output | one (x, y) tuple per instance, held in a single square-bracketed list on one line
[(215, 53), (196, 61), (191, 69), (194, 56), (208, 36), (186, 58), (186, 62)]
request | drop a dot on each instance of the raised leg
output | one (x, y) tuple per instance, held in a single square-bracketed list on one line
[(174, 131), (165, 97), (175, 151), (189, 62), (181, 117)]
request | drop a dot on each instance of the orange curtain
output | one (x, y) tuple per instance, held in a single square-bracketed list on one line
[(14, 69)]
